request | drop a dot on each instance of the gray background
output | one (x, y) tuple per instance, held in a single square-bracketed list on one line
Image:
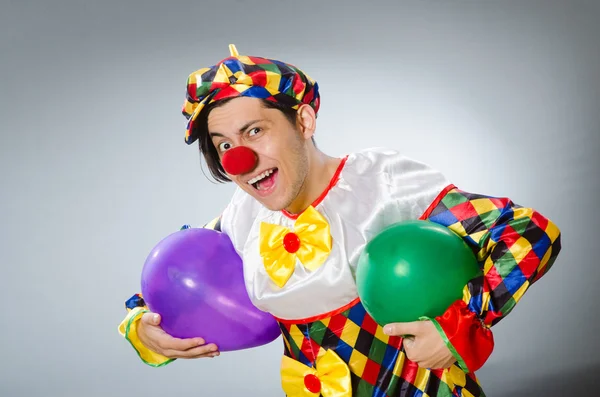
[(503, 96)]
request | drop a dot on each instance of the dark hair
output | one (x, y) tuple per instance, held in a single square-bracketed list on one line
[(208, 150)]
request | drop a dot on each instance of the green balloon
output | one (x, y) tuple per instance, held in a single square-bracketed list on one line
[(413, 269)]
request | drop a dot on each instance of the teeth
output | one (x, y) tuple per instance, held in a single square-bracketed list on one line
[(259, 177)]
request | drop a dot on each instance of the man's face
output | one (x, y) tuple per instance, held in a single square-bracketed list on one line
[(280, 147)]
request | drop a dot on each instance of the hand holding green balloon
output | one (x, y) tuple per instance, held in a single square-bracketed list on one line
[(413, 269)]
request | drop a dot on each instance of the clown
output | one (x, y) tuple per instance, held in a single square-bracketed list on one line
[(300, 219)]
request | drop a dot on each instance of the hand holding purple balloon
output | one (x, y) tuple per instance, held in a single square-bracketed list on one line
[(194, 279), (157, 340)]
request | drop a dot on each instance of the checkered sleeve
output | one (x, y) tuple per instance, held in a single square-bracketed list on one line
[(515, 246), (136, 307)]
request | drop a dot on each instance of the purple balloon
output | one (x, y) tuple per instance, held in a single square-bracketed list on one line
[(194, 279)]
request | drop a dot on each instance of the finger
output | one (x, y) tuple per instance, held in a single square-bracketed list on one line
[(408, 340), (177, 344), (178, 355), (207, 355), (213, 352), (151, 318), (193, 353), (400, 329), (410, 352), (408, 344)]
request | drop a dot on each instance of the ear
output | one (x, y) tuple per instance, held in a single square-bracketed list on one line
[(307, 121)]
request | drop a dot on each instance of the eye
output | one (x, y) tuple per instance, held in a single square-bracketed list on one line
[(223, 146), (254, 131)]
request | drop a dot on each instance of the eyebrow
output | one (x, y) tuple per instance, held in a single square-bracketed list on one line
[(240, 131)]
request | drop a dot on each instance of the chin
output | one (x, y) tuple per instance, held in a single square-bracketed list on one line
[(272, 203)]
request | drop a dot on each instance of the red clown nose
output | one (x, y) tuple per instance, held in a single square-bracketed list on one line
[(239, 160)]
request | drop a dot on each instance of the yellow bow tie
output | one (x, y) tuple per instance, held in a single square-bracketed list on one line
[(331, 378), (309, 242)]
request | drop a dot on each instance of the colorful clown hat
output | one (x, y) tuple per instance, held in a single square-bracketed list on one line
[(249, 76)]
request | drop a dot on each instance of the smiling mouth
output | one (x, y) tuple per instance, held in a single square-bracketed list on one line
[(264, 181)]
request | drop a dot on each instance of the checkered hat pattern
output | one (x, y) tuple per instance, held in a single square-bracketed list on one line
[(247, 76)]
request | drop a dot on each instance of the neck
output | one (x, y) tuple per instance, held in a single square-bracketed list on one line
[(321, 169)]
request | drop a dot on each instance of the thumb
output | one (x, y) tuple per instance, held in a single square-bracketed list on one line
[(151, 318), (401, 329)]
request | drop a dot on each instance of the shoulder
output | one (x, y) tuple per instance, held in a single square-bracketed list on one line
[(394, 164), (403, 183)]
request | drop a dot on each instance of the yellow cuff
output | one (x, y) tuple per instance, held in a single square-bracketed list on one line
[(128, 329)]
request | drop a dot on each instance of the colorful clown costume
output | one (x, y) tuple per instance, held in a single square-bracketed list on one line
[(300, 268)]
